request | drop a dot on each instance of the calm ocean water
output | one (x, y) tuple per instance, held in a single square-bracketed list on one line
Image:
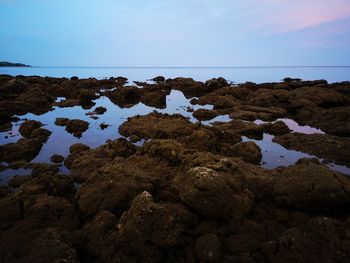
[(235, 74)]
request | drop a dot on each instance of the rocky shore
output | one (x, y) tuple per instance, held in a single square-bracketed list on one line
[(171, 190)]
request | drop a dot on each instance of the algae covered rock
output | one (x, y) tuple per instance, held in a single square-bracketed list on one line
[(214, 194)]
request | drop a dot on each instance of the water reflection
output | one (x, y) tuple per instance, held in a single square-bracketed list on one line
[(274, 155), (295, 127), (8, 173)]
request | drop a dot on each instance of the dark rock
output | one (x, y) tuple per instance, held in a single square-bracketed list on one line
[(104, 126), (98, 111), (17, 180), (214, 194), (208, 248), (25, 149), (56, 158), (159, 79), (75, 127), (248, 151), (67, 103), (205, 115), (323, 146), (276, 128), (149, 221), (125, 97), (26, 129), (311, 187), (78, 147), (6, 127), (251, 130), (111, 188), (61, 121)]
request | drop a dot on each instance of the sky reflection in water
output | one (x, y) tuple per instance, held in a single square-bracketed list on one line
[(274, 155)]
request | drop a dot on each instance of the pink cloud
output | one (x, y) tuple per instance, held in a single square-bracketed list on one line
[(288, 15)]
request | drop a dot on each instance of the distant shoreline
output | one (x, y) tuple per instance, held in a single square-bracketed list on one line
[(10, 64)]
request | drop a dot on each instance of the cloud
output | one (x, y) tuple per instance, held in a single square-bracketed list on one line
[(284, 16)]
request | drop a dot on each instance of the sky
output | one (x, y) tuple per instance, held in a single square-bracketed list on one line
[(175, 33)]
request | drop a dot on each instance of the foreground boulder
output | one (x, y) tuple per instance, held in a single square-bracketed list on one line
[(311, 187), (214, 194), (84, 161), (111, 188), (148, 221)]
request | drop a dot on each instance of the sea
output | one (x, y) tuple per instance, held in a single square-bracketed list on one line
[(233, 74)]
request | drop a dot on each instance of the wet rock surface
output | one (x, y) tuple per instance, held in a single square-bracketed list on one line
[(75, 126), (187, 191), (331, 148), (27, 148)]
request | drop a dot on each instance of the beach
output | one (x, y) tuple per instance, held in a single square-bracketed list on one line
[(174, 170)]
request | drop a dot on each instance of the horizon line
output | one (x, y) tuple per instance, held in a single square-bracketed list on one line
[(308, 66)]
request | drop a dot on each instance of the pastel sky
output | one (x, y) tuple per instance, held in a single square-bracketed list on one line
[(175, 32)]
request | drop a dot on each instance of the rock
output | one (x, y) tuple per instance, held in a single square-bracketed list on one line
[(6, 127), (61, 121), (56, 158), (43, 211), (208, 248), (86, 96), (125, 97), (334, 121), (159, 79), (248, 151), (78, 147), (288, 79), (48, 182), (51, 246), (332, 148), (17, 180), (251, 130), (303, 243), (96, 236), (84, 162), (311, 187), (67, 103), (134, 138), (43, 168), (252, 113), (214, 194), (28, 127), (75, 126), (156, 125), (98, 111), (205, 115), (5, 117), (36, 98), (120, 147), (104, 126), (190, 87), (163, 126), (276, 128), (111, 188), (25, 149), (216, 83), (170, 150), (155, 98), (147, 221)]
